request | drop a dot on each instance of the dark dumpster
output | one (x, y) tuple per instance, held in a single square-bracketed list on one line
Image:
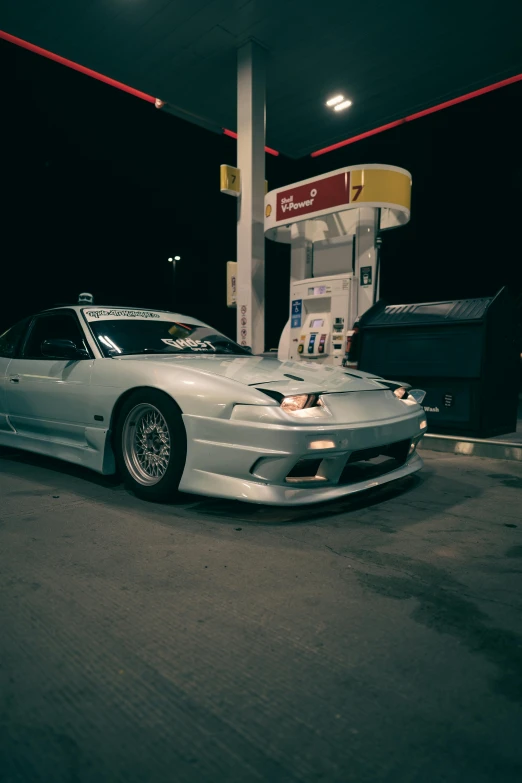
[(463, 353)]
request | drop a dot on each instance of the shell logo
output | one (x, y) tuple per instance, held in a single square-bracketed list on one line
[(268, 210)]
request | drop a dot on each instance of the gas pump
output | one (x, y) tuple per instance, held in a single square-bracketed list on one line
[(333, 224), (318, 322)]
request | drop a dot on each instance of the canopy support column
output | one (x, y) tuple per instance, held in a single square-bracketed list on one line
[(251, 105)]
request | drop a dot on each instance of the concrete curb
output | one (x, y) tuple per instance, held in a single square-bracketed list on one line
[(472, 447)]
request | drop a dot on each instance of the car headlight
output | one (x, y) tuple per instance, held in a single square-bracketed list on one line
[(410, 396), (400, 392), (303, 405), (298, 402)]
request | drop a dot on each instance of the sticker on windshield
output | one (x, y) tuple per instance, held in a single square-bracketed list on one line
[(187, 342), (98, 314)]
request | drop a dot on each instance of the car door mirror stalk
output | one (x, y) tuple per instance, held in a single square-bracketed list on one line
[(62, 349)]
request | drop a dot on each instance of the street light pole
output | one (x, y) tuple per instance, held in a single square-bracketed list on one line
[(173, 260)]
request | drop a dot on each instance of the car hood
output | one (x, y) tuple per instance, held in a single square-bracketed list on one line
[(270, 373)]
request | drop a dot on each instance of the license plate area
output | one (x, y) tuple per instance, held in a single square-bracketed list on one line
[(371, 463)]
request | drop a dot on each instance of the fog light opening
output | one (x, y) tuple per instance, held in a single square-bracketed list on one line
[(305, 470)]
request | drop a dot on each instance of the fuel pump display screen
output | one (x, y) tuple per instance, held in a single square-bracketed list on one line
[(318, 290), (315, 324)]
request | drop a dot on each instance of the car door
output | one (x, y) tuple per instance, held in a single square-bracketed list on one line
[(48, 398), (9, 343)]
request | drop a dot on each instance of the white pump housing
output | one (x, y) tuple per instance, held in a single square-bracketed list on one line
[(318, 325), (332, 223)]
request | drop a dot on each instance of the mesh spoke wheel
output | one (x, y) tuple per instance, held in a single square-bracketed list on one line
[(146, 444)]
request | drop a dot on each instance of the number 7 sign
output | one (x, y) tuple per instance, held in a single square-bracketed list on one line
[(357, 190)]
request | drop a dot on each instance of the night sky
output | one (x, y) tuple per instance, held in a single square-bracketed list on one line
[(100, 189)]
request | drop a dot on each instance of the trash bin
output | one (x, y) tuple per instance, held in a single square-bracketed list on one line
[(463, 353)]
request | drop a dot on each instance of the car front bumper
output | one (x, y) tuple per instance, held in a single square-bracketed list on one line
[(250, 461)]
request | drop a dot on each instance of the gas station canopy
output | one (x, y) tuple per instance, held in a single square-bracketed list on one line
[(392, 60)]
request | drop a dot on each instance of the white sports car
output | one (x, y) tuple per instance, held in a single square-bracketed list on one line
[(173, 404)]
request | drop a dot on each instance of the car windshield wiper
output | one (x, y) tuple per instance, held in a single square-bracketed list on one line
[(137, 353), (216, 352)]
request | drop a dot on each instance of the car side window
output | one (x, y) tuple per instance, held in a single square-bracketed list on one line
[(11, 340), (59, 326)]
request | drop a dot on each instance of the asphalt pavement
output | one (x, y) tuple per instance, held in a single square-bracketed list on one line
[(373, 640)]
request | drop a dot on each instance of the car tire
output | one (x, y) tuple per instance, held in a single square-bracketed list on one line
[(150, 445)]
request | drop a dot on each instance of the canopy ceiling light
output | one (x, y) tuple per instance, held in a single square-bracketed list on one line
[(335, 100), (342, 106)]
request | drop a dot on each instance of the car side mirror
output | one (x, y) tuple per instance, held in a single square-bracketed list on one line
[(417, 394), (62, 349)]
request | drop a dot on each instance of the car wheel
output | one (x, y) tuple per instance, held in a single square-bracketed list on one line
[(150, 444)]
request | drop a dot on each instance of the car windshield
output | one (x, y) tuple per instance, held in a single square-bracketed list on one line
[(126, 332)]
